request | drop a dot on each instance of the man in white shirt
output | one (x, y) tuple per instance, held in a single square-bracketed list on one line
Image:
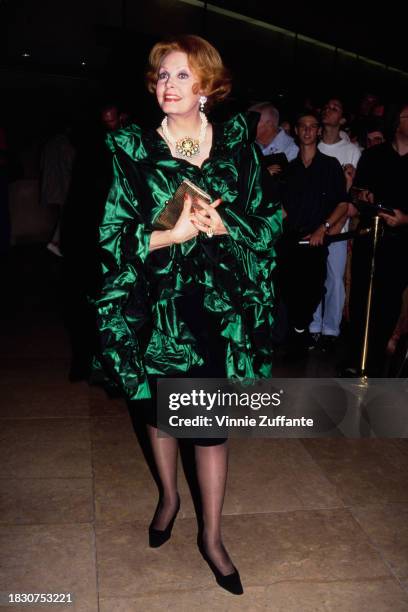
[(272, 138), (325, 326)]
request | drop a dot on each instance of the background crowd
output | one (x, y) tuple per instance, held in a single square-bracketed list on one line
[(327, 161)]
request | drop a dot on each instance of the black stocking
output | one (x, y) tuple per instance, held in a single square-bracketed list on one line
[(212, 464), (165, 452)]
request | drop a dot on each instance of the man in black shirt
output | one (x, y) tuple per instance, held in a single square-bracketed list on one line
[(383, 172), (314, 200)]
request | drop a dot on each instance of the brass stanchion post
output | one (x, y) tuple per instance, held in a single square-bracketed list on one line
[(376, 235)]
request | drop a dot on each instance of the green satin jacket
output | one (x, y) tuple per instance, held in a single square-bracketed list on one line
[(141, 331)]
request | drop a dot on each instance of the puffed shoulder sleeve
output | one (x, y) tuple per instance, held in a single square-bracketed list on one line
[(122, 218), (254, 217), (124, 246)]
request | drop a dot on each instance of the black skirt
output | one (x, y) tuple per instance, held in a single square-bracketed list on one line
[(206, 329)]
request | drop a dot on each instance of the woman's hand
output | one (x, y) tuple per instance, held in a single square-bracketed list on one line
[(206, 219), (184, 229)]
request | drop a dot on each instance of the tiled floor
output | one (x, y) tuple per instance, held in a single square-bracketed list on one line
[(313, 525)]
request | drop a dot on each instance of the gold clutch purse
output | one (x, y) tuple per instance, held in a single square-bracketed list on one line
[(167, 219)]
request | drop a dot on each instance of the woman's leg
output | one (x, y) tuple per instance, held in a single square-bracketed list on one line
[(212, 465), (165, 451)]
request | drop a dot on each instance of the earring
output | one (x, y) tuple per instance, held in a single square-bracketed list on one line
[(202, 101)]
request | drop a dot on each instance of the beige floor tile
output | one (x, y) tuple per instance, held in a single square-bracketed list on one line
[(401, 444), (275, 475), (115, 449), (126, 499), (363, 471), (303, 545), (50, 559), (361, 596), (46, 500), (44, 400), (381, 595), (387, 528), (128, 567), (48, 448), (102, 406), (208, 599)]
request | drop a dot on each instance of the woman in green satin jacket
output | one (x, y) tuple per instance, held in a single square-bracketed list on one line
[(225, 250)]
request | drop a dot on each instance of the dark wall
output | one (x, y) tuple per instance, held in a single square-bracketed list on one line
[(114, 38)]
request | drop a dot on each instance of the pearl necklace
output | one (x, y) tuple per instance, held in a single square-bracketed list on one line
[(186, 146)]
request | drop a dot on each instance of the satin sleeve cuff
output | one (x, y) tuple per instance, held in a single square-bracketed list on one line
[(121, 352), (259, 232)]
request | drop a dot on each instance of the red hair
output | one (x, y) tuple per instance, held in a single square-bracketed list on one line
[(204, 60)]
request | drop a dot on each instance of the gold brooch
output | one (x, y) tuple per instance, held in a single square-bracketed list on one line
[(187, 146)]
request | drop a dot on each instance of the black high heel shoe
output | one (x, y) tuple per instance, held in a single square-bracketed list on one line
[(157, 537), (230, 582)]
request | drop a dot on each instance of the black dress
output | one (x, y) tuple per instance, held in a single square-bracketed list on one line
[(205, 328)]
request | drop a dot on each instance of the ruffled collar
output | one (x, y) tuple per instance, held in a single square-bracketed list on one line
[(228, 138)]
